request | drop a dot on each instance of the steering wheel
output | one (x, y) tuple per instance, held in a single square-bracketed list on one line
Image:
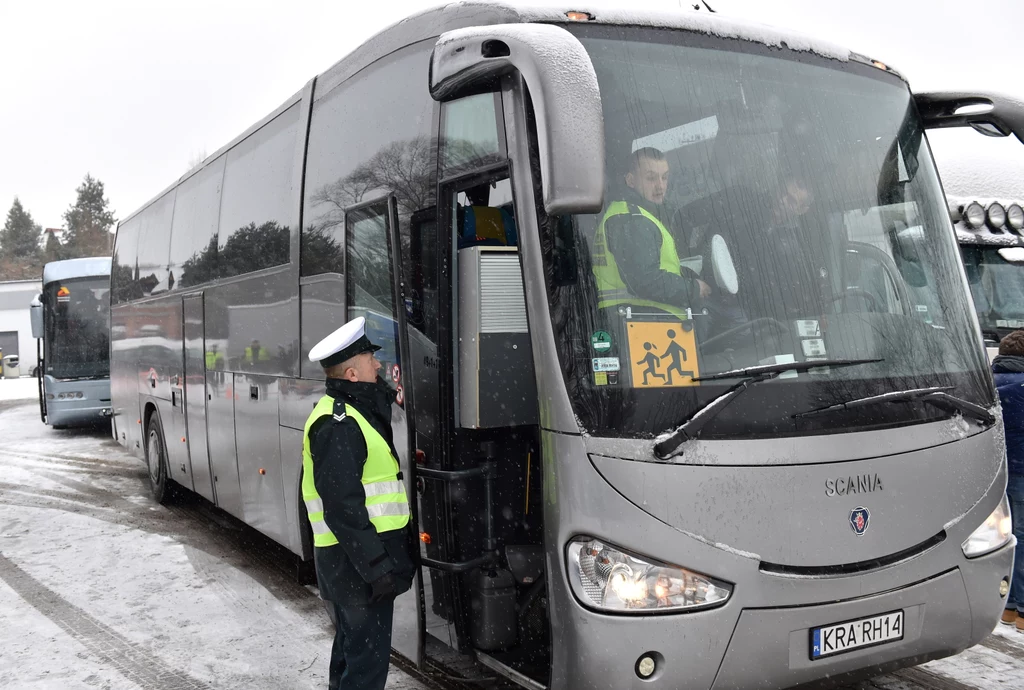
[(736, 330), (872, 301)]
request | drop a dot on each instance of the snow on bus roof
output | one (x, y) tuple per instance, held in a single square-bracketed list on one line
[(685, 19), (76, 268)]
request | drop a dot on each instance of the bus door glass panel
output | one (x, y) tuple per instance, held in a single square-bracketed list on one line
[(472, 141), (198, 358), (372, 290)]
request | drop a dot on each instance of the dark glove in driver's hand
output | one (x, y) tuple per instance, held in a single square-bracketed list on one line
[(383, 588)]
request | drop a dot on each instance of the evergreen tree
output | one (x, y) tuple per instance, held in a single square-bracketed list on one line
[(53, 250), (20, 235), (88, 221)]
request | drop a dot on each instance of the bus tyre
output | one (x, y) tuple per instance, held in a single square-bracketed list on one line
[(156, 461)]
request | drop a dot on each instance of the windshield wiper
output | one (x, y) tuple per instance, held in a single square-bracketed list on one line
[(936, 395), (751, 376)]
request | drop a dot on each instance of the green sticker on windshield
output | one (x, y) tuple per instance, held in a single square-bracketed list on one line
[(601, 341)]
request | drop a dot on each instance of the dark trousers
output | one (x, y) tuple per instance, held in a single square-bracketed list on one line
[(362, 646)]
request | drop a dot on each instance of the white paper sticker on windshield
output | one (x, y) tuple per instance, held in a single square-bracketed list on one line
[(808, 329), (813, 347), (605, 363)]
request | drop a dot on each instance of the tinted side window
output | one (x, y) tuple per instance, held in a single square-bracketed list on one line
[(369, 136), (122, 272), (256, 207), (194, 236), (154, 244)]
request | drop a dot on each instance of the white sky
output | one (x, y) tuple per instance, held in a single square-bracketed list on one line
[(132, 91)]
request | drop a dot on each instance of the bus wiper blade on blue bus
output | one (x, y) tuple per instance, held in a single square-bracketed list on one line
[(751, 376), (936, 395)]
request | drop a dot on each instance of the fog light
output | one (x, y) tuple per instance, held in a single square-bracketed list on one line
[(996, 215), (645, 667), (1004, 588), (974, 215), (1015, 216)]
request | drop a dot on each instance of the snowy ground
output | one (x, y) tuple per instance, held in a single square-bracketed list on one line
[(100, 587)]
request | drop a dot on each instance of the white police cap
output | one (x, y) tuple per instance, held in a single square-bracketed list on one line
[(348, 341)]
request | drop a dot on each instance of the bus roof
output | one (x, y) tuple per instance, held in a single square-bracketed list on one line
[(76, 268), (431, 23)]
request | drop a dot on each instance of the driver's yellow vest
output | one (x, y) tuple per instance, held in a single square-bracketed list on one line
[(386, 500), (611, 290)]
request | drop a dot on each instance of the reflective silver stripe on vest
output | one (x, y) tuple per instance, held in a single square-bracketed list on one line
[(320, 528), (314, 505), (616, 293), (384, 509), (379, 488)]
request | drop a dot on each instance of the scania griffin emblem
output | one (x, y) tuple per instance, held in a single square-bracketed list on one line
[(859, 517)]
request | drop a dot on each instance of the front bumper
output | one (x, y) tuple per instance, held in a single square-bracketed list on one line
[(739, 647)]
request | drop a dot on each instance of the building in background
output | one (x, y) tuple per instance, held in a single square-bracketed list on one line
[(15, 327)]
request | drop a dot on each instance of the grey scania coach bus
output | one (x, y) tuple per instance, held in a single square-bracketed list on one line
[(71, 324), (792, 477), (990, 239)]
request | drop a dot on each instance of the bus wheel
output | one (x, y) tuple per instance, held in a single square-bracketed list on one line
[(156, 461)]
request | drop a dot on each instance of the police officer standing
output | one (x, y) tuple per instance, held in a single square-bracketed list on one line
[(357, 505)]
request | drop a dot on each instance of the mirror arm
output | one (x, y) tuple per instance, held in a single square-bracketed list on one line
[(1005, 113)]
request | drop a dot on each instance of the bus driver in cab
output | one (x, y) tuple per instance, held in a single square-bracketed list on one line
[(635, 259)]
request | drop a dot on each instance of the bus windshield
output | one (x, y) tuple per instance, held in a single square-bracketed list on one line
[(763, 207), (997, 286), (76, 325)]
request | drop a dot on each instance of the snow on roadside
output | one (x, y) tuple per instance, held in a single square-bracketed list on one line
[(24, 388), (100, 587)]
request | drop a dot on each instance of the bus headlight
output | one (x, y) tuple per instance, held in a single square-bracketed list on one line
[(993, 533), (607, 578)]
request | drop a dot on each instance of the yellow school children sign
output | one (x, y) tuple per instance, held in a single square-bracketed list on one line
[(662, 354)]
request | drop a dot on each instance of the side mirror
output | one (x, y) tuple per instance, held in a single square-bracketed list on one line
[(36, 316), (723, 267), (565, 94), (993, 115)]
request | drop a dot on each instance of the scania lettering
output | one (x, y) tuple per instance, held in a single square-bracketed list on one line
[(601, 487), (71, 324)]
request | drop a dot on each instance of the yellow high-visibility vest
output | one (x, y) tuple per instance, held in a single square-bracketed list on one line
[(386, 501), (611, 290)]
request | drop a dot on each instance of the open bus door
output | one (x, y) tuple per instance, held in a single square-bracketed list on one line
[(36, 318)]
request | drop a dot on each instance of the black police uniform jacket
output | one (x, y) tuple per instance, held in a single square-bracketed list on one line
[(345, 570)]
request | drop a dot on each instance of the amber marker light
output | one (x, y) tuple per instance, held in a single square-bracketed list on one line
[(575, 16), (880, 65), (425, 538)]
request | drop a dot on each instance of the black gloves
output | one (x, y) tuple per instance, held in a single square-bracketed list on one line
[(383, 588)]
